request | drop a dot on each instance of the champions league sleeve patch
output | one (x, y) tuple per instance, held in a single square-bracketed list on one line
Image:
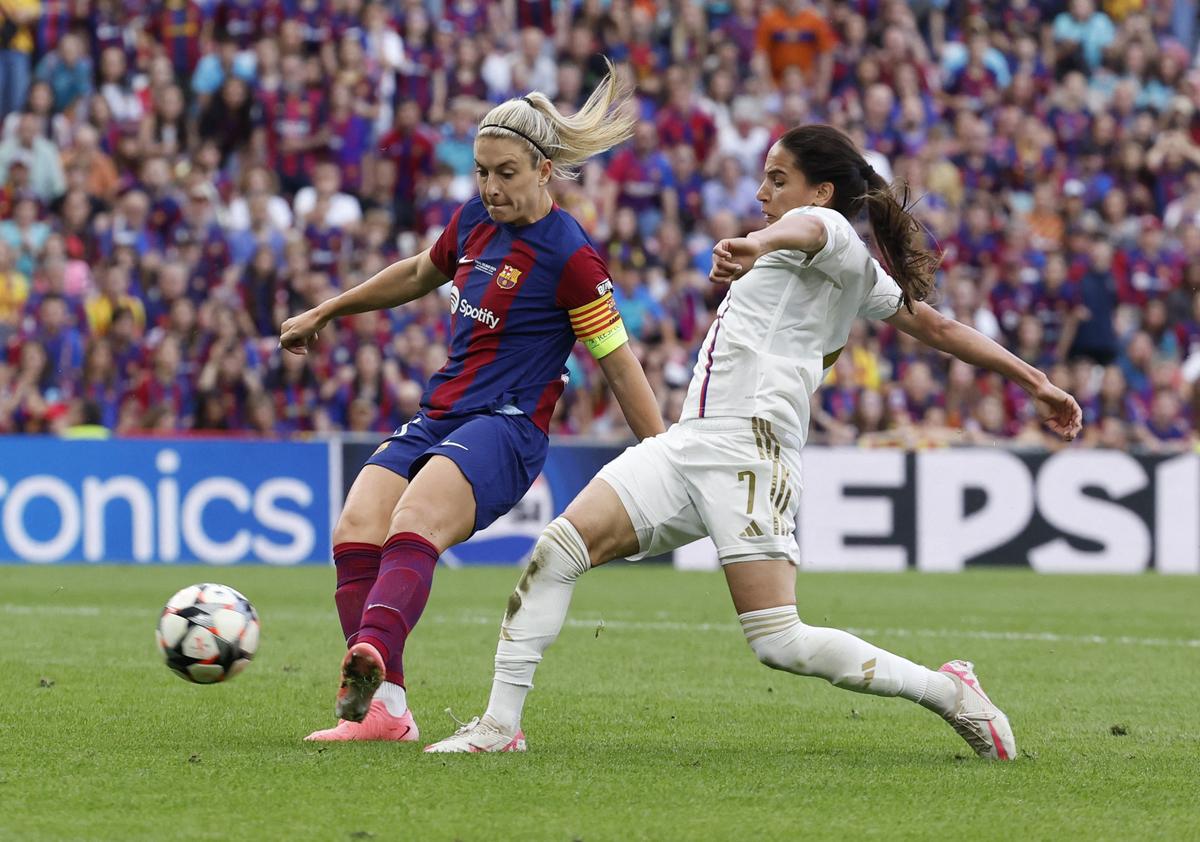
[(598, 326)]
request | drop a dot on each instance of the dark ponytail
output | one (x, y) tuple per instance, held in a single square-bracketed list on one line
[(823, 154)]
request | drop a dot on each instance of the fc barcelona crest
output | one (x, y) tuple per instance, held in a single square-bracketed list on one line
[(508, 276)]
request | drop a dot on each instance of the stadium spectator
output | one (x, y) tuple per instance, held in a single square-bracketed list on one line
[(60, 341), (224, 63), (410, 146), (258, 181), (341, 210), (1096, 337), (744, 133), (794, 34), (102, 180), (17, 19), (113, 295), (100, 382), (67, 70), (227, 119), (682, 120), (640, 179), (14, 290), (25, 234), (1081, 33), (733, 191), (116, 87), (42, 170)]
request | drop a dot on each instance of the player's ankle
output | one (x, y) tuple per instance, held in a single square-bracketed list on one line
[(393, 697), (509, 729), (505, 705), (940, 693)]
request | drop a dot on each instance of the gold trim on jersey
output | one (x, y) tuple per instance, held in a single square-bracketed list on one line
[(770, 449), (752, 531), (829, 359)]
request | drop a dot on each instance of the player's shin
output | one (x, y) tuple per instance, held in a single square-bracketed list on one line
[(535, 614), (357, 565), (398, 598), (782, 641)]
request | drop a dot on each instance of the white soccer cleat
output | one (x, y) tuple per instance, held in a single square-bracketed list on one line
[(476, 737), (976, 719)]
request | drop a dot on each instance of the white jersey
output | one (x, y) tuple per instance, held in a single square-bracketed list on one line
[(782, 326)]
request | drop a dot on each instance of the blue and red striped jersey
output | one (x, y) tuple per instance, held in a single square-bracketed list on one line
[(414, 80), (53, 22), (297, 114), (412, 151), (538, 13), (241, 20), (178, 25), (522, 296)]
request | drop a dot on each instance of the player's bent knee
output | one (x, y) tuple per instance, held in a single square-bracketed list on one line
[(416, 517), (776, 635), (409, 512), (786, 643), (560, 552), (444, 524), (599, 548), (602, 523), (354, 527)]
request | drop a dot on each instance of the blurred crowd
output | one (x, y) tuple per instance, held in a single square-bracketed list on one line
[(179, 176)]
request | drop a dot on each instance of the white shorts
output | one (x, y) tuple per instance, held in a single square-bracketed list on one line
[(734, 479)]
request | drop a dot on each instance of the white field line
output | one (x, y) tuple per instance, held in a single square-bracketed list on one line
[(646, 625)]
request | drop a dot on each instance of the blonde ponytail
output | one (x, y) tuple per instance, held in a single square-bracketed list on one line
[(567, 142)]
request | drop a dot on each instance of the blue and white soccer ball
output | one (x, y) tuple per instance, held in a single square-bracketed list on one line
[(208, 633)]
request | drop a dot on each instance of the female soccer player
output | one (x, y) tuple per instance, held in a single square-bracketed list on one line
[(731, 467), (527, 285)]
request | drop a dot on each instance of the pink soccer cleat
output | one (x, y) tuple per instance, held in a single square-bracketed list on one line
[(976, 719), (479, 736), (378, 725), (362, 673)]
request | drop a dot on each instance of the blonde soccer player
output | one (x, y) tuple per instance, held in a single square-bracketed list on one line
[(730, 468), (526, 284)]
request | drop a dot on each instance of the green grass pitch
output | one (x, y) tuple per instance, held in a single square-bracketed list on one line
[(651, 718)]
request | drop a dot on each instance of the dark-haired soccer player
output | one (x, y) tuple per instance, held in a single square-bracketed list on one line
[(730, 469)]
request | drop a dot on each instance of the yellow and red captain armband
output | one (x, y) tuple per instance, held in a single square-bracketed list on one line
[(598, 326)]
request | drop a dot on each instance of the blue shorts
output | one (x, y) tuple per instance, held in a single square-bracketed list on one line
[(500, 455)]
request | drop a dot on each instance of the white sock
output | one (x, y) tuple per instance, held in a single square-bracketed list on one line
[(535, 615), (782, 641), (505, 705), (393, 697), (941, 694)]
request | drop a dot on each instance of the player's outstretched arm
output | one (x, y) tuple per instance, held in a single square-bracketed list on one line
[(632, 390), (403, 281), (733, 257), (1057, 409)]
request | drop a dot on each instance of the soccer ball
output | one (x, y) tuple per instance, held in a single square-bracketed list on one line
[(208, 633)]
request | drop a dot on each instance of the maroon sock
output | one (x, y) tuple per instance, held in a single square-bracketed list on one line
[(397, 598), (357, 566)]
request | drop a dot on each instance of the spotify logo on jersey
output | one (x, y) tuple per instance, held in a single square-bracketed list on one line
[(465, 308)]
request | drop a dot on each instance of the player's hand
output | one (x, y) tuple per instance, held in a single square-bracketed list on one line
[(1059, 411), (733, 258), (299, 332)]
